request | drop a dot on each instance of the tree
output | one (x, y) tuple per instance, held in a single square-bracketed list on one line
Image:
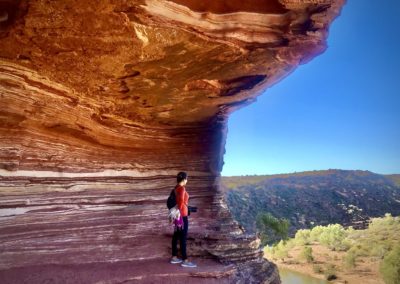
[(390, 267), (271, 228), (333, 236)]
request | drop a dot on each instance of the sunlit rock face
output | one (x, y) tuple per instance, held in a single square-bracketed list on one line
[(103, 102)]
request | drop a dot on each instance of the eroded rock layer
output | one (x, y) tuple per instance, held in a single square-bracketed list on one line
[(102, 102)]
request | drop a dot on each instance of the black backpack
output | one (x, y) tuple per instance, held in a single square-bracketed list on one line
[(171, 201)]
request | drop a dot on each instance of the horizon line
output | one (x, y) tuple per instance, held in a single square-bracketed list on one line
[(308, 171)]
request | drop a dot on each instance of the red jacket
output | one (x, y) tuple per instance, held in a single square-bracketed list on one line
[(182, 200)]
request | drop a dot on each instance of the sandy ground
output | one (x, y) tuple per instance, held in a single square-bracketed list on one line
[(365, 272)]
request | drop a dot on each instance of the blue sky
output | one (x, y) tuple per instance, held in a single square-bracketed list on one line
[(341, 110)]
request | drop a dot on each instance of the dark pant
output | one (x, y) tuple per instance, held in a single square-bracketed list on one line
[(180, 235)]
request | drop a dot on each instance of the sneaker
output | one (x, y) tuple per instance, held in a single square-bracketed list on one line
[(176, 260), (188, 264)]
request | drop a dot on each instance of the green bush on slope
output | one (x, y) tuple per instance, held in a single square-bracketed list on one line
[(333, 236), (349, 260), (381, 236), (302, 237), (390, 267), (279, 251), (306, 254)]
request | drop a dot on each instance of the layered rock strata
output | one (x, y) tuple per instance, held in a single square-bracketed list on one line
[(103, 102)]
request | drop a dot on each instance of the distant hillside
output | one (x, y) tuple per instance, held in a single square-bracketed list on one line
[(394, 178), (306, 199)]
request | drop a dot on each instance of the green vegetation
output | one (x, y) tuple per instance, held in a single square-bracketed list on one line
[(381, 236), (309, 199), (306, 254), (349, 260), (279, 251), (390, 266), (271, 228), (297, 205), (302, 237), (379, 242), (333, 236), (315, 233)]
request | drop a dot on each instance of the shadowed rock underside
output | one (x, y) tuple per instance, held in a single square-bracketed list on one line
[(103, 102)]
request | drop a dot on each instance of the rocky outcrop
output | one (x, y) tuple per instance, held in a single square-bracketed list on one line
[(103, 102)]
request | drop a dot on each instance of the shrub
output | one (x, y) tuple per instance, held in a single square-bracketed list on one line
[(350, 230), (360, 250), (349, 260), (290, 244), (346, 244), (333, 236), (302, 237), (380, 250), (306, 254), (316, 233), (390, 266), (280, 251), (379, 223)]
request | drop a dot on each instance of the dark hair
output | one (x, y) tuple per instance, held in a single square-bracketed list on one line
[(181, 176)]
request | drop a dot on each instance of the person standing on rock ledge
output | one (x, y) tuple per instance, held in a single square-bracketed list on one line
[(181, 231)]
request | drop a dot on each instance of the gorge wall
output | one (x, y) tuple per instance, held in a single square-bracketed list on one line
[(103, 102)]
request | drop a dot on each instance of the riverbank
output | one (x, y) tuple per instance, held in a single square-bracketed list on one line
[(366, 270)]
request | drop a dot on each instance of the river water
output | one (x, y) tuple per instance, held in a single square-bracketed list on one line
[(293, 277)]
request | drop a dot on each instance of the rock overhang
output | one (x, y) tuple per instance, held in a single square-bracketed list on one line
[(123, 66)]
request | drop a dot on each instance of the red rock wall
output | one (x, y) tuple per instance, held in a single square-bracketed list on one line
[(103, 102)]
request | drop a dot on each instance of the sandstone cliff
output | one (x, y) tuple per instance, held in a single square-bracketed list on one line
[(102, 102)]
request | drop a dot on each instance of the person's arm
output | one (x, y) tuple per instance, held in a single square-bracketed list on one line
[(180, 198)]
